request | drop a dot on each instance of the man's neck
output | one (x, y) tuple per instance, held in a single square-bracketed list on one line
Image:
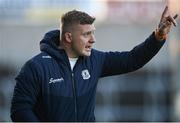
[(68, 51)]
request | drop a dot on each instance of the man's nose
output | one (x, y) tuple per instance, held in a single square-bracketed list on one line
[(92, 40)]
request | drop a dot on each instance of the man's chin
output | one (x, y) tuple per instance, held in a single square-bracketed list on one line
[(87, 54)]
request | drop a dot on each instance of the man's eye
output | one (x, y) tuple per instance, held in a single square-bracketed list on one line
[(86, 34)]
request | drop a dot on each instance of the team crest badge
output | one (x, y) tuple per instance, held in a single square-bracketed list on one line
[(85, 74)]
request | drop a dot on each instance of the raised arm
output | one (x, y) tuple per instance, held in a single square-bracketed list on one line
[(128, 61), (123, 62)]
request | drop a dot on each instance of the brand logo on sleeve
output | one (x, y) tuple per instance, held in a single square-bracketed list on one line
[(85, 74), (46, 57), (52, 80)]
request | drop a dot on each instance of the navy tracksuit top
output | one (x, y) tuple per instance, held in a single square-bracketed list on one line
[(48, 90)]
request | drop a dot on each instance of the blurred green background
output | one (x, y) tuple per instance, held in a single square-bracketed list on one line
[(149, 94)]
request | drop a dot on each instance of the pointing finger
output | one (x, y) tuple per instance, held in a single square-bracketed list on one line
[(165, 11)]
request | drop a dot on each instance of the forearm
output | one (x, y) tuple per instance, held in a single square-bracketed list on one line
[(144, 52), (123, 62)]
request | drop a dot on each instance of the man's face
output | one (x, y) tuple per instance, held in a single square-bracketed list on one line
[(83, 39)]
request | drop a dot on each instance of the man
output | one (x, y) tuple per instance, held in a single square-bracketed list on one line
[(59, 84)]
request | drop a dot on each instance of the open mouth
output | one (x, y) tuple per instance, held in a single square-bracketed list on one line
[(88, 48)]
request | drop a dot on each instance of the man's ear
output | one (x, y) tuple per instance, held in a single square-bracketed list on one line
[(68, 37)]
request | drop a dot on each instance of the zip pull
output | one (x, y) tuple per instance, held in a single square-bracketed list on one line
[(72, 74)]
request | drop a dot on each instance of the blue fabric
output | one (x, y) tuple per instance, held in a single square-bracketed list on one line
[(47, 90)]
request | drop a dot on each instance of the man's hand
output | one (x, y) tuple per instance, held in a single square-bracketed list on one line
[(165, 24)]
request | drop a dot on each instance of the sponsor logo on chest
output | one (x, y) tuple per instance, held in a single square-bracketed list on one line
[(52, 80)]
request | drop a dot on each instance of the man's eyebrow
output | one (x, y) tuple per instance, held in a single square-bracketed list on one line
[(90, 31), (87, 32)]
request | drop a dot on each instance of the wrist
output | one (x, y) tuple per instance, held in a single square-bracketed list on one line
[(160, 36)]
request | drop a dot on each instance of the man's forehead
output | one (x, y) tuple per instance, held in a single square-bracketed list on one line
[(85, 27)]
